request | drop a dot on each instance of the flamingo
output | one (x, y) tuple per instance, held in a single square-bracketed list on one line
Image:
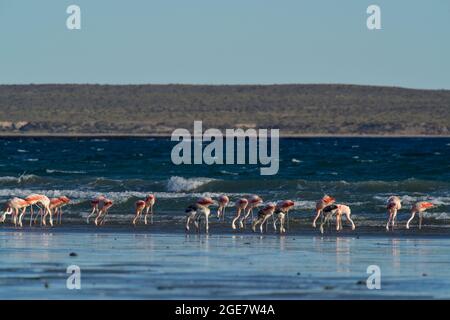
[(194, 212), (241, 204), (139, 208), (263, 215), (56, 204), (39, 200), (393, 205), (103, 206), (12, 207), (281, 211), (420, 208), (320, 205), (253, 202), (339, 210), (223, 203), (149, 203), (95, 206)]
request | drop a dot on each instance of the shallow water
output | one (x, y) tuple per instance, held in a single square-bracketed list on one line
[(119, 264)]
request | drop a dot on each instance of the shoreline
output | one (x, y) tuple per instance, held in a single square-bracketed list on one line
[(163, 135)]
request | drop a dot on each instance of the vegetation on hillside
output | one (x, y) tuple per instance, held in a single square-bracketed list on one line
[(159, 109)]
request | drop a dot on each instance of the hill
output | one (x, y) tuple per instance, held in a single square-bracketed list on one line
[(159, 109)]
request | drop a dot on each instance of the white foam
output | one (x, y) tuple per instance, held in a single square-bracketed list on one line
[(229, 173), (118, 197), (20, 179), (296, 160), (178, 184), (64, 171)]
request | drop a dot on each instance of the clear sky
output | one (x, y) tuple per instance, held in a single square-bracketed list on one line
[(226, 42)]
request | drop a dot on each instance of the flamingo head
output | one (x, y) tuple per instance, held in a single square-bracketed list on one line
[(205, 201), (150, 197)]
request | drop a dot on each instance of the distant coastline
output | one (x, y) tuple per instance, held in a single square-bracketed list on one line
[(318, 110), (167, 136)]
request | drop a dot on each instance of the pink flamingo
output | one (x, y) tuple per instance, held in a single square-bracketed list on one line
[(320, 205), (241, 204), (263, 215), (223, 203), (253, 202), (393, 205), (56, 205), (95, 206), (420, 208), (139, 208), (40, 200), (103, 206), (12, 207), (195, 211), (149, 203), (339, 210), (281, 211)]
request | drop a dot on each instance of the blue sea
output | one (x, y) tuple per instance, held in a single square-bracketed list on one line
[(160, 261), (360, 172)]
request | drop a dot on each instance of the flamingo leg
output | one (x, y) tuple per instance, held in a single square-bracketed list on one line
[(389, 221), (233, 223), (264, 222), (223, 213), (420, 220), (410, 219), (316, 217), (31, 217), (206, 223), (21, 216), (94, 209)]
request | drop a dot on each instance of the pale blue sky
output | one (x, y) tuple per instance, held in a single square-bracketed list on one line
[(226, 42)]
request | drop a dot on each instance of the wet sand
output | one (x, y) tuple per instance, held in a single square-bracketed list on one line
[(119, 262)]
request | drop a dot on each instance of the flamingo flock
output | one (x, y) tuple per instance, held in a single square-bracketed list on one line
[(199, 212)]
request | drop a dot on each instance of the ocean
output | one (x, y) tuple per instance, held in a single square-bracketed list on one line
[(116, 259), (360, 172)]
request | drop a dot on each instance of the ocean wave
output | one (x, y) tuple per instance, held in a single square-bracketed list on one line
[(409, 199), (229, 173), (118, 196), (50, 171), (178, 184), (20, 179)]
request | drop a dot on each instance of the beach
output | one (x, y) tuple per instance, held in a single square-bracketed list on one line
[(122, 263)]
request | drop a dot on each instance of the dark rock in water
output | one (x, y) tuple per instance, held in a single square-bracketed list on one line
[(360, 282), (328, 287), (73, 254), (46, 285), (424, 274), (298, 273)]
